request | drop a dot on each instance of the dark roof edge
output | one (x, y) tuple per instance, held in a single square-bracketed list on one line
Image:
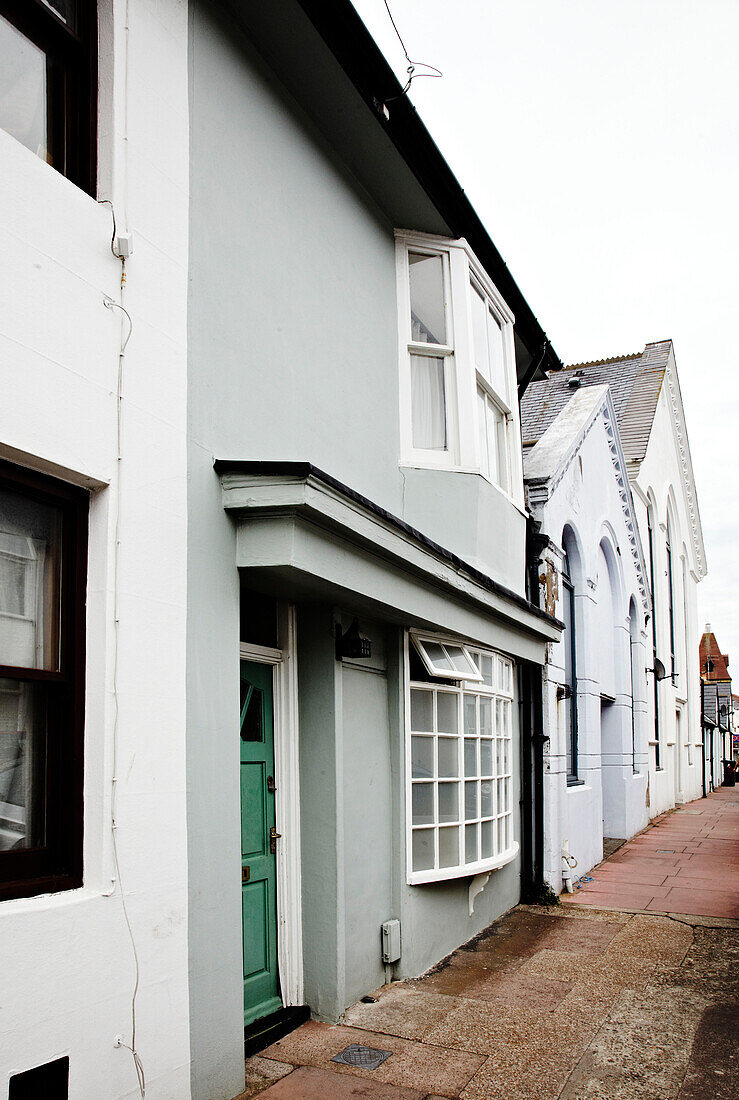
[(343, 31), (307, 469)]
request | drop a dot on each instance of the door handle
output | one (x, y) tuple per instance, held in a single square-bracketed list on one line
[(274, 836), (271, 784), (245, 874)]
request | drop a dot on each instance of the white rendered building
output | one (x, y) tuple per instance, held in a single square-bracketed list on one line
[(93, 523), (651, 424), (594, 578)]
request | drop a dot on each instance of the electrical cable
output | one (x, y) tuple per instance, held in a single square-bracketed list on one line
[(110, 304), (412, 65)]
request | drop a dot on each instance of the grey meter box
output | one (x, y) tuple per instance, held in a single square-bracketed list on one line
[(391, 941)]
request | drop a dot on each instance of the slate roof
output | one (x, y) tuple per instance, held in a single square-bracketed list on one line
[(635, 382), (709, 648)]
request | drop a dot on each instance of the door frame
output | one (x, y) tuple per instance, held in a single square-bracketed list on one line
[(287, 800)]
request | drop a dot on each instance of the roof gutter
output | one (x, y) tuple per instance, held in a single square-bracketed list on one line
[(343, 31)]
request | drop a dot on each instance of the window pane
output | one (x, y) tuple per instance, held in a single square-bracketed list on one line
[(470, 843), (500, 757), (23, 93), (486, 758), (479, 332), (448, 757), (448, 802), (460, 660), (428, 325), (29, 582), (493, 420), (486, 668), (470, 714), (252, 705), (502, 456), (423, 849), (438, 657), (501, 834), (448, 847), (497, 360), (486, 837), (446, 712), (471, 811), (486, 717), (422, 757), (423, 803), (470, 756), (486, 799), (422, 711), (482, 433), (22, 760), (428, 403)]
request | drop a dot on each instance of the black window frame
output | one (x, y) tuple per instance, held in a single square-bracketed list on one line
[(57, 864), (72, 60)]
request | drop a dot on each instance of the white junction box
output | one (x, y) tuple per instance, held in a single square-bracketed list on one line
[(391, 941)]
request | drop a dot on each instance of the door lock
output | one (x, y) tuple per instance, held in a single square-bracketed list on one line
[(271, 784), (274, 836), (245, 874)]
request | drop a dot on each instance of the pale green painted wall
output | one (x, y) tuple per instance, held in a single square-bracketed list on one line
[(293, 355)]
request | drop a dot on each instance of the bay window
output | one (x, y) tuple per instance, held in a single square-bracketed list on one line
[(457, 361), (459, 766), (43, 537)]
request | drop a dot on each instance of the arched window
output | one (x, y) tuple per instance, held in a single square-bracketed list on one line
[(671, 598), (570, 668), (633, 651), (650, 533)]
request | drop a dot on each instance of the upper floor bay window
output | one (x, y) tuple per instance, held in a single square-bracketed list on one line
[(43, 538), (48, 82), (458, 364), (459, 760)]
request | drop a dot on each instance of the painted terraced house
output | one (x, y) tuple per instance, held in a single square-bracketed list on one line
[(716, 709), (269, 676), (609, 479)]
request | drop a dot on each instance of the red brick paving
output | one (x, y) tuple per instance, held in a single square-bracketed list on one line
[(683, 862)]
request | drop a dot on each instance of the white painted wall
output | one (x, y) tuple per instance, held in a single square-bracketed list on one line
[(661, 479), (610, 798), (66, 960)]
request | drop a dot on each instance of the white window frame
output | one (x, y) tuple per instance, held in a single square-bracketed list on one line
[(420, 642), (501, 696), (463, 382)]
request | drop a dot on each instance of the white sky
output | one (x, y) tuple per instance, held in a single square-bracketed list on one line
[(599, 143)]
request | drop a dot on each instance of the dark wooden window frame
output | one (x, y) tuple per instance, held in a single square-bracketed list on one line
[(57, 865), (72, 58)]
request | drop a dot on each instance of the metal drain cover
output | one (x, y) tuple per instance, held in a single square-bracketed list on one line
[(366, 1057)]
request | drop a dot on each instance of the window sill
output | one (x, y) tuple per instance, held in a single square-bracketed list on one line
[(575, 783), (445, 874)]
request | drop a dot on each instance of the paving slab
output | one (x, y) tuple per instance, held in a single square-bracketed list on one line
[(308, 1083), (429, 1068), (401, 1010)]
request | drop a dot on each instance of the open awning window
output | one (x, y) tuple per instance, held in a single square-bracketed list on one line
[(447, 660)]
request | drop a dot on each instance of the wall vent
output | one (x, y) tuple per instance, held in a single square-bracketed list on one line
[(50, 1081)]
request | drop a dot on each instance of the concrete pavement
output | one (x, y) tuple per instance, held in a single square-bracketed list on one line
[(565, 1003)]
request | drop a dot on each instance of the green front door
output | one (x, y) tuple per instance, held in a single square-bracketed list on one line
[(258, 859)]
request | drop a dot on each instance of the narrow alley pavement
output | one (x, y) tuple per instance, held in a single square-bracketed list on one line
[(604, 997)]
